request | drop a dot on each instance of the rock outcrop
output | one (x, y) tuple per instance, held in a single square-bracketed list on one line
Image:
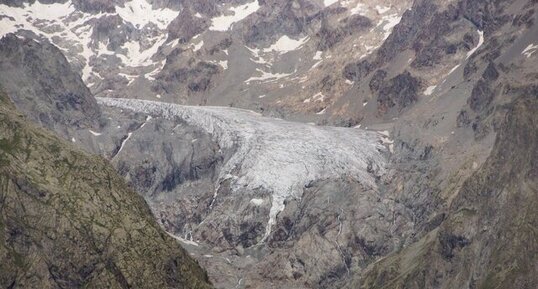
[(42, 84), (495, 206), (68, 220), (424, 200)]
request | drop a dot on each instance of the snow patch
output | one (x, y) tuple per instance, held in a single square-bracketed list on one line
[(257, 202), (430, 90), (140, 13), (285, 44), (360, 9), (480, 42), (151, 76), (130, 78), (382, 9), (319, 97), (136, 57), (225, 22), (390, 22), (256, 54), (224, 64), (124, 142), (95, 133), (318, 57), (329, 2), (198, 46), (184, 241), (453, 69), (322, 111), (529, 51), (267, 76), (148, 118)]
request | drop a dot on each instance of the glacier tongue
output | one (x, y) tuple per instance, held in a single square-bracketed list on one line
[(279, 156)]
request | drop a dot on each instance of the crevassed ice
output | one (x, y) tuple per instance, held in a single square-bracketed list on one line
[(279, 156)]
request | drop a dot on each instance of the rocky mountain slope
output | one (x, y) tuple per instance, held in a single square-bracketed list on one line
[(194, 165), (68, 221), (434, 91), (488, 239), (277, 56), (41, 82)]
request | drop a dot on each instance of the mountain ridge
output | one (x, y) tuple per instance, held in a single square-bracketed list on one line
[(68, 220), (444, 86)]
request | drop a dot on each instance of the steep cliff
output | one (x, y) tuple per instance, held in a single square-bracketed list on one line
[(489, 237), (68, 221)]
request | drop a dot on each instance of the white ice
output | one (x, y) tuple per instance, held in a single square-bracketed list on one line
[(278, 156)]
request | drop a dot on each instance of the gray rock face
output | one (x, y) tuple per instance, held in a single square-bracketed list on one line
[(400, 92), (497, 197), (434, 87), (68, 220), (121, 47), (186, 26), (42, 85), (350, 25)]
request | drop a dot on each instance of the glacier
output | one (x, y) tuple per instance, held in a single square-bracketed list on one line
[(281, 157)]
